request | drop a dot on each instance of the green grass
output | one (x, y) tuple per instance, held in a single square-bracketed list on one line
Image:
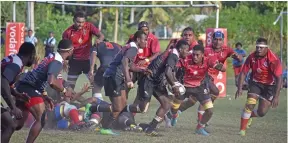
[(224, 125)]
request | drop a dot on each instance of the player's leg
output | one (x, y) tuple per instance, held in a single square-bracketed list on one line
[(74, 71), (165, 105), (37, 109), (253, 95), (8, 126)]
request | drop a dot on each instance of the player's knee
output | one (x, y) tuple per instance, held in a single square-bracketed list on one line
[(209, 111), (208, 106), (261, 113), (143, 107), (175, 105)]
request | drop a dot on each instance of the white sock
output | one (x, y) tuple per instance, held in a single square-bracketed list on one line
[(98, 95)]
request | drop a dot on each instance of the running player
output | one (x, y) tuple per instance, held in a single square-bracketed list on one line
[(11, 67), (163, 73), (80, 33), (264, 85), (117, 79), (221, 53), (35, 82), (196, 67), (238, 64), (106, 52)]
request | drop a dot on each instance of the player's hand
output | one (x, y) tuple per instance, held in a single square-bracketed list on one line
[(141, 63), (275, 101), (17, 113), (130, 84), (24, 96), (49, 100), (176, 90), (91, 76), (65, 66), (86, 88), (238, 93), (97, 41), (147, 72)]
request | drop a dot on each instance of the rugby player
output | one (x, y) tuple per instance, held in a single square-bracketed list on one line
[(35, 82), (219, 52), (163, 73), (196, 67), (80, 33), (117, 79), (238, 64), (105, 51), (11, 67), (264, 85)]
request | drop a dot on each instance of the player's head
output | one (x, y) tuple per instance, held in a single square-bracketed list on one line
[(30, 32), (65, 47), (183, 48), (198, 53), (188, 34), (27, 52), (143, 25), (261, 47), (140, 38), (238, 45), (218, 39), (79, 19)]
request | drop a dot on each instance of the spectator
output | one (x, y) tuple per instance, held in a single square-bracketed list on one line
[(238, 64), (49, 43), (31, 38)]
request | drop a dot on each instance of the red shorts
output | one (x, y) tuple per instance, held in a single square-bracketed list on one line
[(237, 70), (34, 101)]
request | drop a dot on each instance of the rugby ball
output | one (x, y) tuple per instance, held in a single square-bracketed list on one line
[(177, 84)]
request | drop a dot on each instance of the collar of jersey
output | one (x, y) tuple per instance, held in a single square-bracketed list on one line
[(58, 57), (174, 51), (133, 44)]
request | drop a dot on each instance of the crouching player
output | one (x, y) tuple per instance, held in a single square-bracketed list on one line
[(264, 85)]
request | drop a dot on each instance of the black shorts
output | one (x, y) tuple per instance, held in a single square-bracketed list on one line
[(148, 88), (136, 76), (31, 92), (77, 67), (113, 86), (201, 93), (98, 78), (263, 91)]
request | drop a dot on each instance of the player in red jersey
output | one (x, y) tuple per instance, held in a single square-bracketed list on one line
[(221, 53), (264, 85), (80, 33), (11, 67), (196, 67)]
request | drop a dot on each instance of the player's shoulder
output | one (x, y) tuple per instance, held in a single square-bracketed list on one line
[(70, 28), (12, 59), (152, 36), (272, 57)]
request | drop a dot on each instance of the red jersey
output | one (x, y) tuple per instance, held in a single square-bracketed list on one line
[(82, 40), (151, 48), (263, 69), (194, 73), (221, 56)]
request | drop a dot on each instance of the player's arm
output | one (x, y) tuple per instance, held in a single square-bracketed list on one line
[(172, 60), (245, 69), (213, 63), (95, 31), (276, 68), (129, 55), (155, 48), (7, 77), (93, 59), (65, 34), (54, 69), (234, 55)]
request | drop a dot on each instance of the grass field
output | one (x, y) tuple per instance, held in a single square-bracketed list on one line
[(224, 125)]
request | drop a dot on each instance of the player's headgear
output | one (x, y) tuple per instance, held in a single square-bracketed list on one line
[(218, 34), (65, 45), (142, 24)]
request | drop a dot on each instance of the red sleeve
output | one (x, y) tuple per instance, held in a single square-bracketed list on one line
[(65, 34), (94, 30), (155, 46), (246, 67), (276, 68), (212, 62)]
